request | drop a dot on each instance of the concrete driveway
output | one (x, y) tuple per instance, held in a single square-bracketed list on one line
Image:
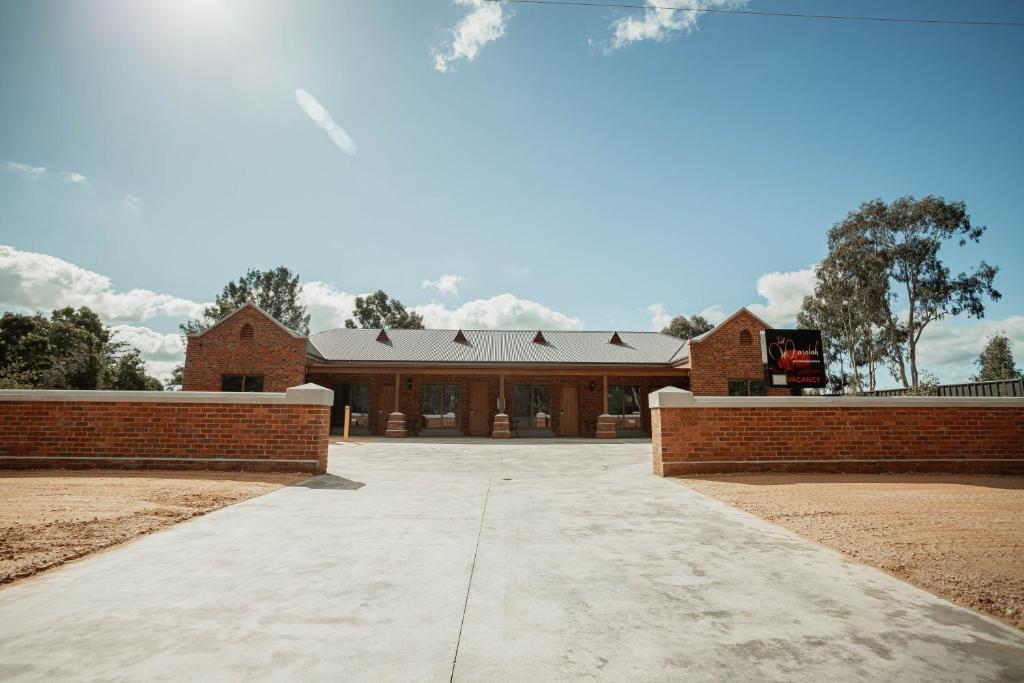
[(482, 561)]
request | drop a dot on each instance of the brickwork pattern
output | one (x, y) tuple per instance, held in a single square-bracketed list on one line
[(270, 352), (888, 438), (230, 436), (728, 354)]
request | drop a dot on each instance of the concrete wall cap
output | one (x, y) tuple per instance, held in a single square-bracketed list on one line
[(310, 394), (667, 399), (73, 395)]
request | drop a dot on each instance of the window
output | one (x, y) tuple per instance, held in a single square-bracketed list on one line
[(748, 387), (624, 405), (241, 383), (533, 405), (359, 395), (440, 406), (247, 331)]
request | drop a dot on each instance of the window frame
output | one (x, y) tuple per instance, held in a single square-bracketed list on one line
[(446, 393), (747, 387), (624, 420), (534, 407), (245, 383)]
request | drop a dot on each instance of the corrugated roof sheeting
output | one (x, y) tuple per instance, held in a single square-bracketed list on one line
[(496, 346)]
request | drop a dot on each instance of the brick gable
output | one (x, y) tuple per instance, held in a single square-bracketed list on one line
[(228, 348)]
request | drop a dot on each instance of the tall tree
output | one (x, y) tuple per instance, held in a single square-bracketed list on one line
[(996, 361), (72, 349), (378, 311), (687, 327), (900, 245), (846, 307), (275, 291)]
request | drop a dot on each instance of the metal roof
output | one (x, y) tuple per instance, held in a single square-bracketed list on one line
[(496, 347)]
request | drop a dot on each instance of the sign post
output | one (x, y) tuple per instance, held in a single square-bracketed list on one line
[(793, 359)]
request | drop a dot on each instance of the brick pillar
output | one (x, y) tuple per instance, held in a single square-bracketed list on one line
[(396, 426), (502, 427), (605, 427)]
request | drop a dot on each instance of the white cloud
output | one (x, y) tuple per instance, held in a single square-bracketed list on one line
[(484, 23), (659, 24), (25, 169), (160, 352), (446, 285), (322, 118), (503, 311), (660, 318), (714, 314), (131, 203), (41, 282), (76, 178), (784, 293), (950, 347), (328, 308), (153, 345)]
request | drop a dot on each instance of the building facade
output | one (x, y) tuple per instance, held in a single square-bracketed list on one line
[(479, 382)]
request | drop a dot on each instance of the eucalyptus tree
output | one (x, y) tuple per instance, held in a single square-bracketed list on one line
[(276, 291), (685, 327), (996, 361), (379, 311), (901, 281)]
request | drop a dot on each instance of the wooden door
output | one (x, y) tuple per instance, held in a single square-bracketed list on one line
[(385, 406), (478, 409), (569, 423)]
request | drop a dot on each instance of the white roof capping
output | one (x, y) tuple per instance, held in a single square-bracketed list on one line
[(243, 307), (684, 352)]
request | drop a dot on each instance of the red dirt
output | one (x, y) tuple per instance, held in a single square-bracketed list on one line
[(49, 518), (961, 537)]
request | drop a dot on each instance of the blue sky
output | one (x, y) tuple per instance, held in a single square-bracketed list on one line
[(565, 167)]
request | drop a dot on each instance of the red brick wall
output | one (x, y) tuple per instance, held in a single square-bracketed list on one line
[(723, 356), (590, 402), (231, 436), (271, 352), (886, 438)]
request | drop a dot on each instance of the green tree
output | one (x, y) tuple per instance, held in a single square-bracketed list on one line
[(687, 327), (72, 349), (128, 373), (378, 311), (275, 291), (176, 379), (895, 252), (996, 361)]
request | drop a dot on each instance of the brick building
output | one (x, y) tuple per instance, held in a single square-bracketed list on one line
[(479, 382)]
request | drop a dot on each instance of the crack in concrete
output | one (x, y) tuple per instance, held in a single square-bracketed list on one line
[(469, 584)]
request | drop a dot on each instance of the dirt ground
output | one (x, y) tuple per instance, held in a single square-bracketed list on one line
[(49, 518), (961, 537)]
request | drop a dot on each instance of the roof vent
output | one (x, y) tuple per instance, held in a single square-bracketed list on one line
[(383, 337), (616, 339), (460, 338), (247, 331), (539, 338)]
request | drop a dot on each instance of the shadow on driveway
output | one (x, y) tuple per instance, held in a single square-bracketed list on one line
[(331, 481)]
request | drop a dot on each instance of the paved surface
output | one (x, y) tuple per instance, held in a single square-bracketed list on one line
[(480, 562)]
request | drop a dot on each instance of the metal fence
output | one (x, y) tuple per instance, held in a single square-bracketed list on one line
[(1002, 387)]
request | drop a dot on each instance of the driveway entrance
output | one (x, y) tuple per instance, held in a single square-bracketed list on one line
[(432, 560)]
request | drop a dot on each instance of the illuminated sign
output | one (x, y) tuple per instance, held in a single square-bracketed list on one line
[(793, 358)]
